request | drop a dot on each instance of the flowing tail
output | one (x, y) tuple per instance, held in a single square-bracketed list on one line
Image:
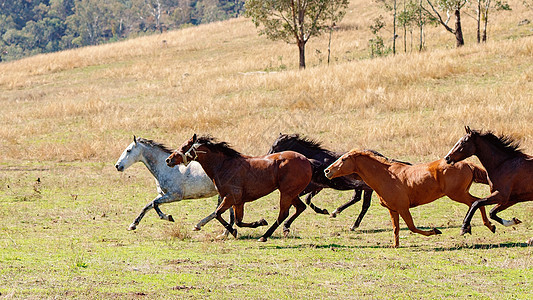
[(480, 175)]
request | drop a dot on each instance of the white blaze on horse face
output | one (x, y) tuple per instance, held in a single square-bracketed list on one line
[(454, 148), (129, 157)]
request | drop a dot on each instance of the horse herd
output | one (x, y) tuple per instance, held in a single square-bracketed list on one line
[(297, 166)]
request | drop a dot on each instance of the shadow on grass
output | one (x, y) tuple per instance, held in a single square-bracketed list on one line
[(481, 246)]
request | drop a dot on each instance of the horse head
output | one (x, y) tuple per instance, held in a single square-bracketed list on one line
[(464, 148), (185, 154), (130, 156), (343, 166)]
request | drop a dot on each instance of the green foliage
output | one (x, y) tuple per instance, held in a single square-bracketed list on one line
[(291, 21), (40, 26)]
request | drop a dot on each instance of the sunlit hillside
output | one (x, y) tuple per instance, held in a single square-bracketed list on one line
[(225, 80)]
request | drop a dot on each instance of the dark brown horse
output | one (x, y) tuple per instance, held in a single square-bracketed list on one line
[(400, 186), (240, 178), (510, 172)]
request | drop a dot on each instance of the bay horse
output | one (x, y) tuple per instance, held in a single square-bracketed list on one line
[(510, 172), (240, 178), (173, 185), (401, 187), (314, 150)]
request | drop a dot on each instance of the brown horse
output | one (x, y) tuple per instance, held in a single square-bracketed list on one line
[(510, 172), (400, 186), (240, 178)]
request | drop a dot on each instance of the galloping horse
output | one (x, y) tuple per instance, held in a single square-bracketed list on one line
[(172, 184), (400, 186), (314, 150), (240, 178), (510, 172)]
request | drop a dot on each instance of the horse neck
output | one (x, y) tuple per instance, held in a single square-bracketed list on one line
[(212, 163), (372, 170), (154, 159), (490, 155)]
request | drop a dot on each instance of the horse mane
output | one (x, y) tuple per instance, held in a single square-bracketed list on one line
[(505, 143), (155, 144), (212, 144), (307, 142)]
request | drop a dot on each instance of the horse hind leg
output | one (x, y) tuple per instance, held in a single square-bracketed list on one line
[(498, 208), (366, 204), (318, 210), (285, 205), (406, 216), (356, 197), (300, 207)]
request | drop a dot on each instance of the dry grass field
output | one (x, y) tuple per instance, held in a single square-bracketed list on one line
[(66, 117)]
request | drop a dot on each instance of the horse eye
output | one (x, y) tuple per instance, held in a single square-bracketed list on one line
[(129, 150)]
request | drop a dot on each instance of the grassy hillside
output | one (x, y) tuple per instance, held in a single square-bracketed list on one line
[(66, 117), (87, 103)]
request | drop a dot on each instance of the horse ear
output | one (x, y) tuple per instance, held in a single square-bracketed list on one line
[(467, 129), (194, 138), (135, 139)]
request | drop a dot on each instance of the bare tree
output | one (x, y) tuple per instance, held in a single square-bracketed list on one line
[(448, 7)]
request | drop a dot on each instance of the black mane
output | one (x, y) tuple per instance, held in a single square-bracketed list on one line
[(505, 143), (307, 142), (212, 144), (155, 144)]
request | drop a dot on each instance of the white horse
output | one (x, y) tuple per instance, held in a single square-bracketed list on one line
[(173, 184)]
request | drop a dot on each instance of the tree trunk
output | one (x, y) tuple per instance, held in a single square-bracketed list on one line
[(301, 47), (394, 31), (478, 21), (458, 29), (421, 27), (485, 22)]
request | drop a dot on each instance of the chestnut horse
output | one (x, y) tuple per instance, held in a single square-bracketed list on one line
[(400, 186), (240, 179), (322, 158), (510, 172)]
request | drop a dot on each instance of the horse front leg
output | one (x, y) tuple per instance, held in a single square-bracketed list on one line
[(492, 199), (395, 218), (166, 198), (225, 205), (213, 215), (356, 197)]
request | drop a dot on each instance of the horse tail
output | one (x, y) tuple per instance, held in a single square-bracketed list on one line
[(318, 171), (480, 175)]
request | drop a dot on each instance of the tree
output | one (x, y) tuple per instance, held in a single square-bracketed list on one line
[(447, 6), (295, 20)]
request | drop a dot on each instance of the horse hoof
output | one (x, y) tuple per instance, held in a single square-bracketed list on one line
[(334, 214), (286, 231), (132, 227), (221, 236), (353, 228), (437, 231), (466, 230), (263, 222), (516, 221), (196, 228), (234, 233), (262, 239), (493, 229), (325, 212), (530, 242), (170, 218)]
